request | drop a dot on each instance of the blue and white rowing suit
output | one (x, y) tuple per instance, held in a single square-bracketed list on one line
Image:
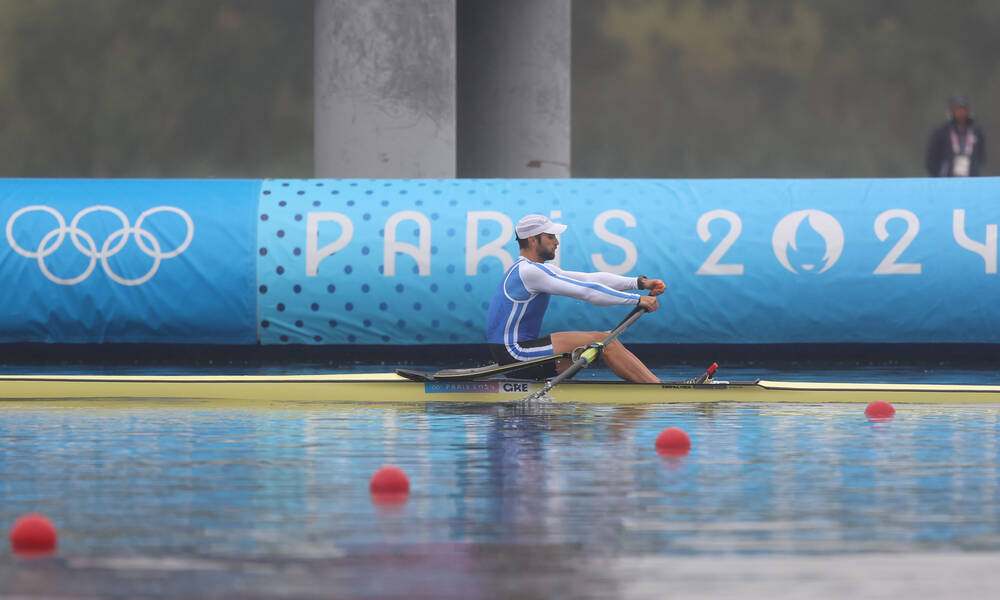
[(514, 320)]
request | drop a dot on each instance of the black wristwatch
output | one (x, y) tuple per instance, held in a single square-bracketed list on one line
[(638, 282)]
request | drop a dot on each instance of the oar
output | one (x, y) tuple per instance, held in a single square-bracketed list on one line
[(592, 353)]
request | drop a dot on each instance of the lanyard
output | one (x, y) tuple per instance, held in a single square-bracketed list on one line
[(968, 143)]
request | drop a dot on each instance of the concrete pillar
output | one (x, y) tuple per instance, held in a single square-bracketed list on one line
[(514, 88), (385, 88)]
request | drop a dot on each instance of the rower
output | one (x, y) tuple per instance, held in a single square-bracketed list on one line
[(514, 319)]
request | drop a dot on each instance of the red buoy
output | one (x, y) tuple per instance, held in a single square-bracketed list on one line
[(879, 409), (33, 535), (389, 485), (673, 441), (390, 479)]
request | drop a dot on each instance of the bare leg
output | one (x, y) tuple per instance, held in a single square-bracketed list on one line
[(618, 358)]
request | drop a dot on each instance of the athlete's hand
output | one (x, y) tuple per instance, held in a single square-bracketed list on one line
[(649, 303), (655, 286)]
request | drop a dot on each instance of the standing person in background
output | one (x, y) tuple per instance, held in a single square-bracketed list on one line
[(958, 147)]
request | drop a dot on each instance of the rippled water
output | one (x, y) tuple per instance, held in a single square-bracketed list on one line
[(543, 501)]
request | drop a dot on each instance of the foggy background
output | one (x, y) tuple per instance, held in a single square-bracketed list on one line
[(664, 89)]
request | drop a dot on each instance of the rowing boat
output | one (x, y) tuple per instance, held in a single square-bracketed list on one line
[(317, 389)]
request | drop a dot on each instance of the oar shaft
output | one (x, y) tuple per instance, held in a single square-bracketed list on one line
[(591, 354), (629, 318)]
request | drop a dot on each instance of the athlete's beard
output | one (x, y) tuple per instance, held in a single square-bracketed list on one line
[(546, 254)]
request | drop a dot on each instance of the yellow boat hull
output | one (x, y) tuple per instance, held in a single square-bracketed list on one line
[(311, 390)]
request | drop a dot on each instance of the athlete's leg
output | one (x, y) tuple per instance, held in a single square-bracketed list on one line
[(618, 358)]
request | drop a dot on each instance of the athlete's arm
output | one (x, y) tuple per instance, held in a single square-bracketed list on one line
[(540, 278), (655, 286), (615, 282)]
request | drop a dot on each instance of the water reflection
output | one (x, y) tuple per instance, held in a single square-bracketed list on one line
[(524, 488)]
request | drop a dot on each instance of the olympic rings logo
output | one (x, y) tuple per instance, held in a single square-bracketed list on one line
[(85, 243)]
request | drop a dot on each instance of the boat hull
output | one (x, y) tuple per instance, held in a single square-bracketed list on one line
[(310, 390)]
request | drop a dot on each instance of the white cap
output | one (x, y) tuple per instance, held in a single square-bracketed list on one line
[(535, 224)]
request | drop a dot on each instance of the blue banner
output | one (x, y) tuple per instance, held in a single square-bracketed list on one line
[(165, 261), (415, 262), (745, 261)]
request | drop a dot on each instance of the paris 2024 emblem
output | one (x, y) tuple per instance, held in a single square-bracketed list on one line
[(822, 223)]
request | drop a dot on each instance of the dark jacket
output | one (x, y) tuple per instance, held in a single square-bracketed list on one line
[(941, 147)]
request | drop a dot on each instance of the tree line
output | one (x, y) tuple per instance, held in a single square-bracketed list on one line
[(661, 88)]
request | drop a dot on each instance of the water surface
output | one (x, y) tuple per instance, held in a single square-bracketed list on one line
[(539, 501)]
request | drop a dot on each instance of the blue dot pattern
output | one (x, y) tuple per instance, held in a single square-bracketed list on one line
[(354, 299)]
